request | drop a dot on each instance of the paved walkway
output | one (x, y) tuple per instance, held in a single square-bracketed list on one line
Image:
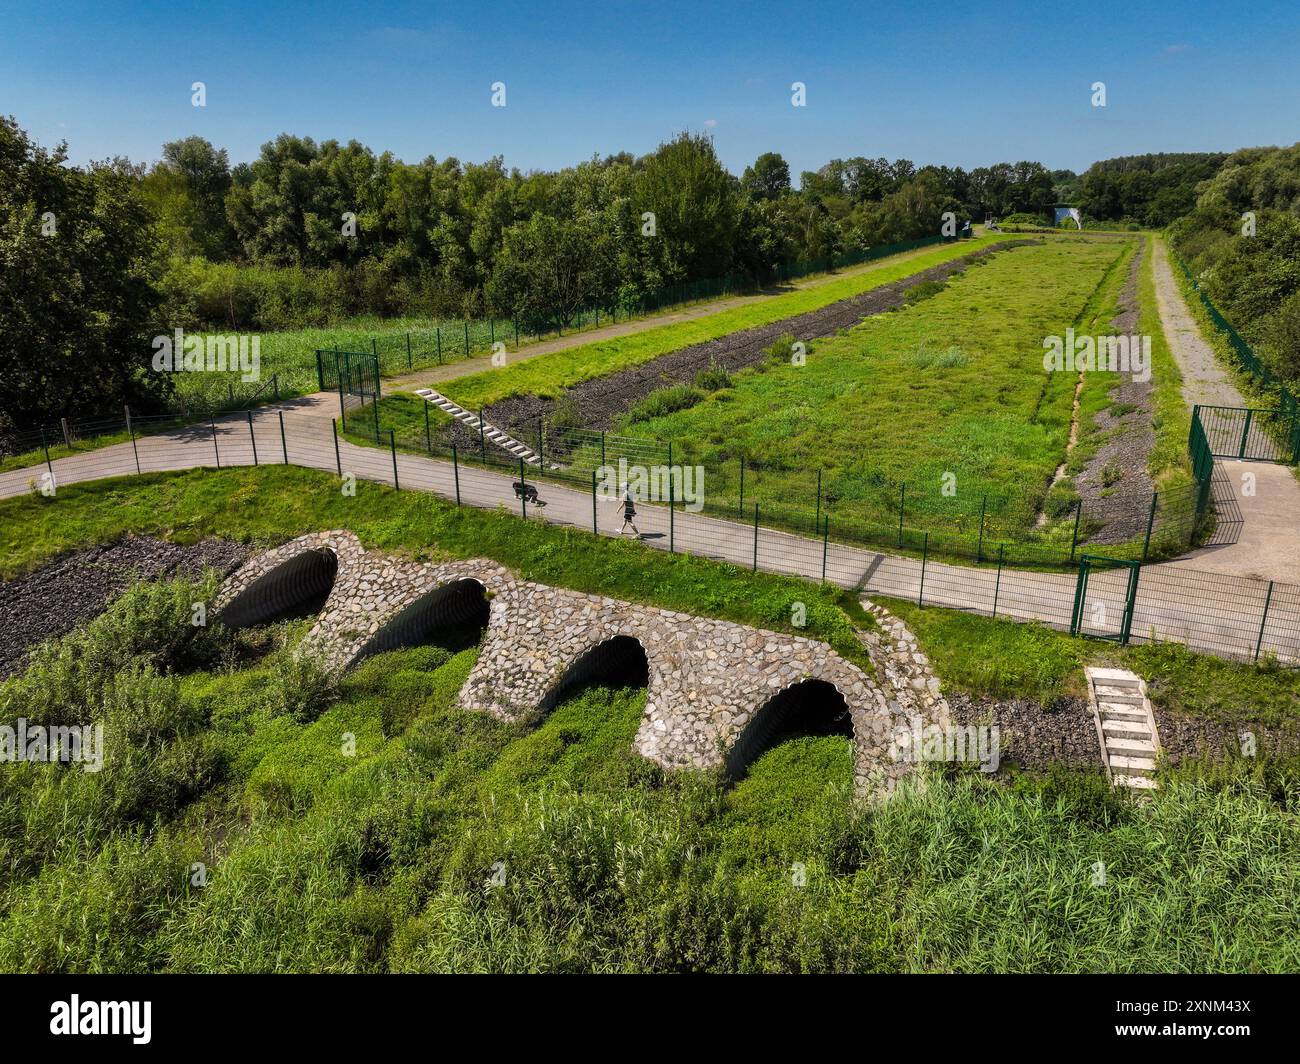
[(1227, 615), (1267, 543)]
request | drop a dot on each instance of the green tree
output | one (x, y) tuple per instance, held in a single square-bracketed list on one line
[(551, 267), (694, 203), (187, 191), (78, 263), (768, 178)]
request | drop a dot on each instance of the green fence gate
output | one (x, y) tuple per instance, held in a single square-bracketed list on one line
[(1103, 598), (1250, 433)]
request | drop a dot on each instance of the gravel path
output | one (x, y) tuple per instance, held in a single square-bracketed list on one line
[(1205, 382), (1267, 544), (1128, 436)]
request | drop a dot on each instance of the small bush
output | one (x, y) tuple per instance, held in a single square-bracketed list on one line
[(564, 416), (713, 379), (924, 290), (664, 401), (780, 350), (928, 357)]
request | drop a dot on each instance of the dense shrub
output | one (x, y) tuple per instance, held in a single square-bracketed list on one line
[(712, 379), (665, 401)]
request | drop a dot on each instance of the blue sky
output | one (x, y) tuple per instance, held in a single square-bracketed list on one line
[(961, 83)]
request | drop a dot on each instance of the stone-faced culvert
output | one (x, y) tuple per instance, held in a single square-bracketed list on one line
[(297, 587), (452, 615), (617, 662), (809, 708)]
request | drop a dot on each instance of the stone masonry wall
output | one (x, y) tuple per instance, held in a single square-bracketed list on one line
[(707, 678)]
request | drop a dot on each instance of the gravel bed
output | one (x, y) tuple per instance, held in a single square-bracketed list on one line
[(1034, 735), (76, 587), (1127, 442)]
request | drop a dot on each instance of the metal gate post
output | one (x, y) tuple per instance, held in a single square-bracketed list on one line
[(1245, 433), (1151, 520), (1134, 572), (1080, 591), (1264, 620), (925, 557), (997, 584)]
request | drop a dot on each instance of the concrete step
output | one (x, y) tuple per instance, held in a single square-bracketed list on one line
[(1126, 713), (1126, 729), (1134, 698), (1132, 766), (1125, 726), (1116, 745), (488, 432)]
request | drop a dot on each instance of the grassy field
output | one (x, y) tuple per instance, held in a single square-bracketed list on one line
[(241, 831), (951, 385), (291, 353), (548, 375)]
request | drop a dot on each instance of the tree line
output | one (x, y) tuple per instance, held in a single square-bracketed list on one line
[(1242, 241), (310, 232)]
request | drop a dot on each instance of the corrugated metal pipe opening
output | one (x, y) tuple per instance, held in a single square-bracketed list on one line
[(811, 708), (452, 616), (293, 589)]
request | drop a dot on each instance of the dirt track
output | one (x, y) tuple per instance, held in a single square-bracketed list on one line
[(601, 400)]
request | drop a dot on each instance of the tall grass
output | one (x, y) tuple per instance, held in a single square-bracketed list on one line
[(444, 840)]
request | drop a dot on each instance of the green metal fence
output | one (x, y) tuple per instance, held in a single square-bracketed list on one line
[(912, 518), (1281, 424)]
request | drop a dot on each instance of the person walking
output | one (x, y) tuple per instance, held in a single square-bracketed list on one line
[(629, 512)]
